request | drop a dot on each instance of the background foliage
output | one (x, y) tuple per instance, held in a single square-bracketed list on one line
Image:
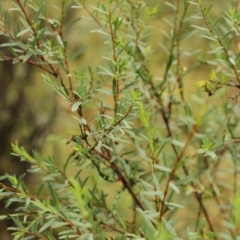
[(151, 131)]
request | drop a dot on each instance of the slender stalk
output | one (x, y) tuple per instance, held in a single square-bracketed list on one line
[(69, 223), (234, 68), (174, 168), (115, 82), (64, 47), (40, 57)]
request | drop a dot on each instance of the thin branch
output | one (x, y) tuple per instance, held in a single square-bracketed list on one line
[(92, 15), (41, 57), (112, 127), (180, 156), (7, 58), (115, 82), (64, 47), (33, 198), (220, 43)]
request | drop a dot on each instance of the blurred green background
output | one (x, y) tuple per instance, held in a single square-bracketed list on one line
[(35, 116)]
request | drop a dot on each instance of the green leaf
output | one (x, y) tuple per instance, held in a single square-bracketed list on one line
[(79, 52), (163, 168), (53, 195), (59, 39), (169, 228), (75, 106), (200, 28), (26, 57), (20, 179), (46, 225), (65, 165), (23, 32), (58, 224), (209, 8), (38, 13), (3, 217), (230, 131), (71, 24), (39, 190)]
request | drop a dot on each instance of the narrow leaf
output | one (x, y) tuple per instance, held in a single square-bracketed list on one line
[(79, 52)]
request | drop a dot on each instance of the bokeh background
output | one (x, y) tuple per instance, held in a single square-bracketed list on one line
[(35, 116)]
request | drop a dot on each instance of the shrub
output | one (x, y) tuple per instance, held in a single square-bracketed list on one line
[(154, 158)]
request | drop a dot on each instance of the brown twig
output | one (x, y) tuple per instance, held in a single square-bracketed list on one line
[(64, 47), (41, 57), (174, 168), (33, 198), (220, 43), (115, 82)]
